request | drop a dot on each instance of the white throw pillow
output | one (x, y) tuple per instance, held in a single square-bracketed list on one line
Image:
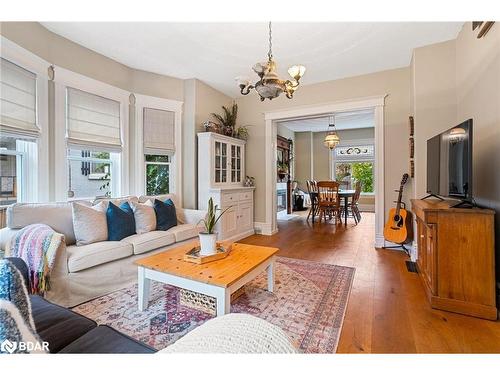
[(145, 217), (89, 223)]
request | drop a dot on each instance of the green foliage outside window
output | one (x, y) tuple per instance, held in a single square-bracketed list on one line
[(364, 172), (157, 179)]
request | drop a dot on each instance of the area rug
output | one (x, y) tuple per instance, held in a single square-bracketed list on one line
[(308, 303)]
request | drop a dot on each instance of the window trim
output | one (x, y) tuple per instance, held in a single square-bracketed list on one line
[(33, 63), (139, 169), (66, 78)]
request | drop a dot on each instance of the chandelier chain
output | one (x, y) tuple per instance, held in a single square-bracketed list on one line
[(270, 53)]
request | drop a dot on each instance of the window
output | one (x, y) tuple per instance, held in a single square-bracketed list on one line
[(18, 177), (159, 148), (92, 174), (19, 134), (93, 134), (157, 174), (355, 163)]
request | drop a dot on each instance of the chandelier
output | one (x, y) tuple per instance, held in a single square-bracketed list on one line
[(269, 86), (332, 139)]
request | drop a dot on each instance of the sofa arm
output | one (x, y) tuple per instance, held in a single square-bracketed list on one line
[(188, 216), (6, 235), (61, 262)]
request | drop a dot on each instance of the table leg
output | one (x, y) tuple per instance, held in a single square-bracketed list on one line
[(143, 289), (270, 277), (223, 301), (346, 199)]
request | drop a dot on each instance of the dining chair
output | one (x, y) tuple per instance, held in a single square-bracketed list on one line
[(352, 206), (312, 189), (328, 200)]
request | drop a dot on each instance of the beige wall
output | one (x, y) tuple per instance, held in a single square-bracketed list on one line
[(200, 100), (395, 83), (434, 101), (455, 81), (478, 97)]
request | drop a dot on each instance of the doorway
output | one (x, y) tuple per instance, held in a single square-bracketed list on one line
[(375, 104)]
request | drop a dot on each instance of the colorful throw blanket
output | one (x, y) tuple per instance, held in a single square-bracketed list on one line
[(37, 245)]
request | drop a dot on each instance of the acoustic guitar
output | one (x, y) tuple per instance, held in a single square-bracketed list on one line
[(399, 227)]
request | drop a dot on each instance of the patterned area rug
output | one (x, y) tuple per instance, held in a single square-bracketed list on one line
[(308, 303)]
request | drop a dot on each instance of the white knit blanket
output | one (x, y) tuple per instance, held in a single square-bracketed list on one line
[(234, 333)]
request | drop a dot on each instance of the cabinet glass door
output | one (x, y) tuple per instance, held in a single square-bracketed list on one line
[(221, 149), (235, 163)]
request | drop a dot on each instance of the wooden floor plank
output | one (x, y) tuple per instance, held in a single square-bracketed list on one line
[(388, 311)]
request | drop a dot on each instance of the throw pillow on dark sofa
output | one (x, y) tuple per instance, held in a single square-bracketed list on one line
[(166, 217), (121, 221)]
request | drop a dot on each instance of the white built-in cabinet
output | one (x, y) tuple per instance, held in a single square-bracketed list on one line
[(221, 172)]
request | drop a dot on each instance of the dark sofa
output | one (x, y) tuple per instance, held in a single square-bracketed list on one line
[(69, 332)]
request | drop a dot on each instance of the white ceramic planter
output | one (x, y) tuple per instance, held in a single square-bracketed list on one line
[(208, 243)]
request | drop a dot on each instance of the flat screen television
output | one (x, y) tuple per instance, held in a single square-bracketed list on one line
[(449, 163)]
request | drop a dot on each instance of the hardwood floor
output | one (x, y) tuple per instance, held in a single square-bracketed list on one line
[(387, 310)]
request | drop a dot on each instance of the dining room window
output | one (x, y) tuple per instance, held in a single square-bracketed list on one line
[(355, 163)]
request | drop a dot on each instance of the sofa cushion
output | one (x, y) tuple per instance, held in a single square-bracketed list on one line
[(184, 232), (145, 217), (83, 257), (145, 242), (58, 216), (57, 325), (162, 197), (104, 339), (121, 222), (89, 223), (166, 217)]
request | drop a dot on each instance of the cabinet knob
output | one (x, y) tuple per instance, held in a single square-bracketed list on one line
[(421, 236)]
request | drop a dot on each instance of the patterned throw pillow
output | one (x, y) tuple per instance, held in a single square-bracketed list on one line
[(145, 217), (89, 223), (121, 221), (166, 217), (13, 288), (16, 335)]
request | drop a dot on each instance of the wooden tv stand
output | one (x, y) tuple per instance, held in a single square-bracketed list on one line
[(456, 257)]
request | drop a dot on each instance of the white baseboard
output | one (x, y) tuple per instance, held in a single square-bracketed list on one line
[(264, 228)]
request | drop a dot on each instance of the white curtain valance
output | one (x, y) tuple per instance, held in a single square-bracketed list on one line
[(92, 120), (17, 99), (158, 131)]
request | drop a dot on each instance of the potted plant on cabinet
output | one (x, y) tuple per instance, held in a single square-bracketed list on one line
[(208, 238), (228, 119)]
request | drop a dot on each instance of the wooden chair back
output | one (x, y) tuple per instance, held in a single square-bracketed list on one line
[(357, 192), (328, 193)]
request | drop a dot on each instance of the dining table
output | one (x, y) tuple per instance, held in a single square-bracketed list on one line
[(343, 194)]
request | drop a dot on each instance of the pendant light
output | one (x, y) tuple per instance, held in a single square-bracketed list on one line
[(332, 139)]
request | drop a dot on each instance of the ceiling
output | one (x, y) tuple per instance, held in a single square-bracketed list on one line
[(216, 53), (343, 121)]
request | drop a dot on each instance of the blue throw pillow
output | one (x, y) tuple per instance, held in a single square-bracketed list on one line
[(121, 221), (165, 214)]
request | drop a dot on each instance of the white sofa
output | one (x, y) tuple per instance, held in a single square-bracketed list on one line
[(82, 273)]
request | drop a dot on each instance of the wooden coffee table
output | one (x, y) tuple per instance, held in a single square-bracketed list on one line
[(217, 279)]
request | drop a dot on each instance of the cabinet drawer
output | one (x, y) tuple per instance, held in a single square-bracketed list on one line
[(230, 199), (246, 196)]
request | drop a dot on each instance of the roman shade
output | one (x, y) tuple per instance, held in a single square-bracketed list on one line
[(92, 120), (17, 99), (158, 131)]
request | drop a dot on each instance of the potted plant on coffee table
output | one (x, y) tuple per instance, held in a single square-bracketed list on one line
[(208, 238)]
